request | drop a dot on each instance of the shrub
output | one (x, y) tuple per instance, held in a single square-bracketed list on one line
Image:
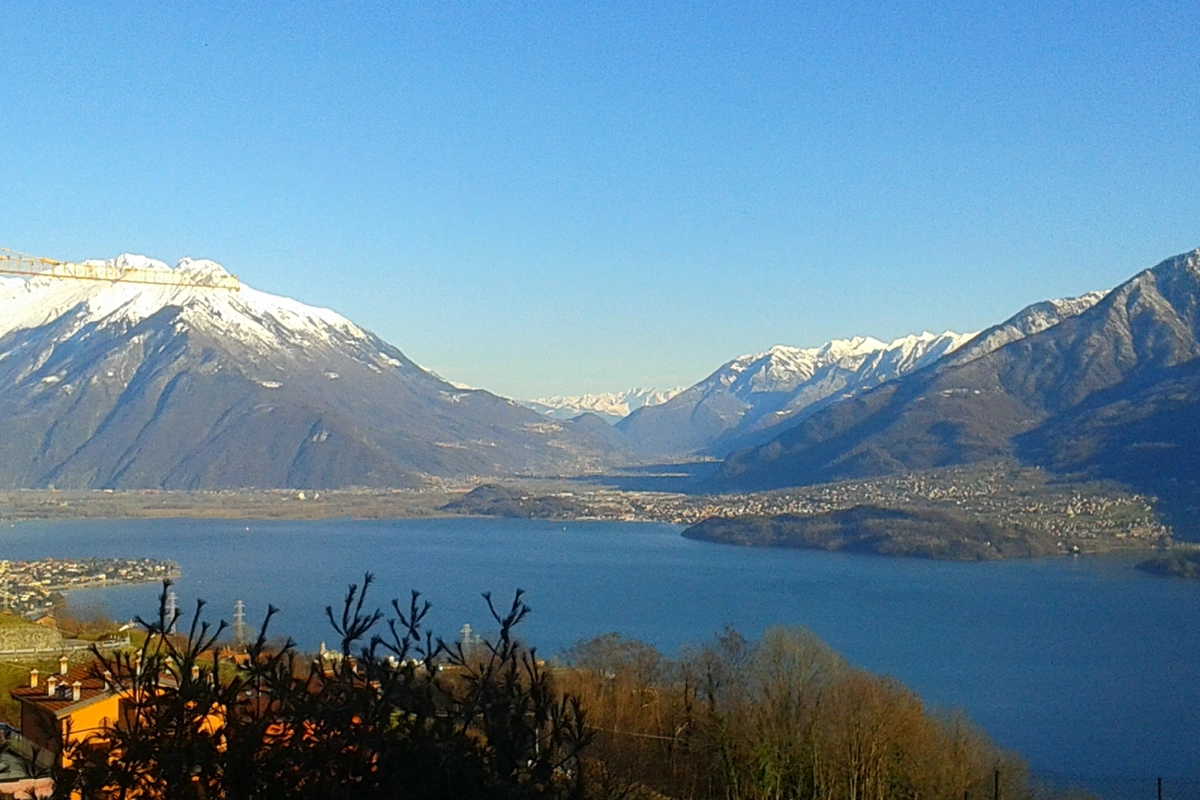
[(396, 713)]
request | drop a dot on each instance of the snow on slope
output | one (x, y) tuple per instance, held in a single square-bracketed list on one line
[(611, 406), (1028, 321), (136, 385), (756, 393), (255, 319), (786, 369)]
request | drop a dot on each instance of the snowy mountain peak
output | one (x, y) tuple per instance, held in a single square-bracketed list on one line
[(128, 373), (751, 395), (783, 368), (130, 261), (854, 346), (257, 319), (611, 406), (187, 267), (201, 268), (1028, 321)]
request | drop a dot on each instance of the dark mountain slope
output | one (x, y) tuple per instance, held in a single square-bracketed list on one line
[(971, 406), (123, 386)]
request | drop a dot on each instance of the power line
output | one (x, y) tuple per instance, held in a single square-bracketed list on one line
[(13, 263), (631, 733)]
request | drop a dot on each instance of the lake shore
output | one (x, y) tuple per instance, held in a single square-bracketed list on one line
[(27, 505), (908, 533), (980, 512)]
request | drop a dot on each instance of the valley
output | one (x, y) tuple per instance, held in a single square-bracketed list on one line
[(1068, 517), (1068, 425)]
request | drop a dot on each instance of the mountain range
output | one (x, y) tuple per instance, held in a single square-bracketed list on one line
[(121, 385), (1104, 386), (609, 406), (124, 385), (752, 397)]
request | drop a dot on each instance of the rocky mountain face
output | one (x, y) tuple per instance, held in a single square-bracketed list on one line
[(114, 385), (1108, 390), (120, 385), (753, 397), (1028, 321), (609, 406)]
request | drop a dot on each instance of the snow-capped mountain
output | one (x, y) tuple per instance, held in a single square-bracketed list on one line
[(1027, 322), (610, 406), (254, 320), (749, 398), (1104, 385), (128, 385)]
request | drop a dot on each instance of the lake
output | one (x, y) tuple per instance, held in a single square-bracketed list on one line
[(1086, 666)]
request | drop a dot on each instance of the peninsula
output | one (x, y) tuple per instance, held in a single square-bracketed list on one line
[(28, 587), (1034, 512)]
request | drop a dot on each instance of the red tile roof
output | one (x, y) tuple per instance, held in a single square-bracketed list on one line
[(91, 689)]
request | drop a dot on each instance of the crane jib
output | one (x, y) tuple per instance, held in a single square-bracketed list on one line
[(12, 263)]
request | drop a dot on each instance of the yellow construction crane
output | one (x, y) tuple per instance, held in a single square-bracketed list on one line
[(12, 263)]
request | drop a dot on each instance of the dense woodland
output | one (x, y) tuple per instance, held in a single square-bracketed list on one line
[(1178, 564), (920, 532), (400, 713)]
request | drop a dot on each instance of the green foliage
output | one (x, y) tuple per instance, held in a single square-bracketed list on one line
[(1178, 564), (921, 532)]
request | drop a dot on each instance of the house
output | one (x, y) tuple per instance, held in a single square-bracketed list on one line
[(68, 706)]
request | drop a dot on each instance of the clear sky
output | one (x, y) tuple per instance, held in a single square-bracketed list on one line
[(560, 197)]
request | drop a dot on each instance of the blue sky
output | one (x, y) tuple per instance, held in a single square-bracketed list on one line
[(542, 198)]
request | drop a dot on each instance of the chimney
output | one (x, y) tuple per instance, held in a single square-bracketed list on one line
[(76, 691), (107, 680), (195, 672), (51, 685), (62, 666), (33, 678)]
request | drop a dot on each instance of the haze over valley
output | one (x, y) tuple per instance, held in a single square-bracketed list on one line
[(136, 386)]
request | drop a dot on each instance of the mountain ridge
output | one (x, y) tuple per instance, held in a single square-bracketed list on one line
[(610, 406), (1011, 400), (147, 386), (117, 385), (751, 395)]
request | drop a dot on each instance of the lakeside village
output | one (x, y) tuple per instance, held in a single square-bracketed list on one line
[(1084, 515), (1093, 517), (32, 588), (1072, 513)]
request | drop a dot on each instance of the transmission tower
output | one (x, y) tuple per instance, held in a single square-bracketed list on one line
[(239, 624), (172, 611)]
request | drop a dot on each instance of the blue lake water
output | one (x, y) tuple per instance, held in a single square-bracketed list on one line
[(1087, 667)]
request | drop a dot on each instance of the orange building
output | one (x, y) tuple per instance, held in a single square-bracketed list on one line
[(68, 706)]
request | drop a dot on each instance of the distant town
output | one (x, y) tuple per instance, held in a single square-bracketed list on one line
[(1085, 516), (1001, 494), (30, 587), (1090, 516)]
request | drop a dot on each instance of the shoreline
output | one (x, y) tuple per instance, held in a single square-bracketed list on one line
[(51, 505), (1053, 517), (105, 584)]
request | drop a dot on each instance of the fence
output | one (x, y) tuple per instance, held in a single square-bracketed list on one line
[(69, 646)]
